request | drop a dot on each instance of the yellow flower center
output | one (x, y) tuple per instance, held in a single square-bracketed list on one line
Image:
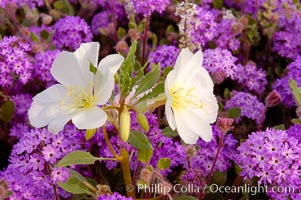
[(79, 99), (183, 98)]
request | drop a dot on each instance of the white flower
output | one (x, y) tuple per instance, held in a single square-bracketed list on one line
[(79, 93), (191, 105)]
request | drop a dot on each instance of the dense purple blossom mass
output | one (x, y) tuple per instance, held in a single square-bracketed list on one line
[(251, 50)]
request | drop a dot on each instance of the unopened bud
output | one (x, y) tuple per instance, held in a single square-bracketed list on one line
[(125, 123), (134, 34), (103, 189), (46, 19), (122, 46), (273, 99), (146, 175), (224, 124), (142, 120), (244, 20), (218, 77)]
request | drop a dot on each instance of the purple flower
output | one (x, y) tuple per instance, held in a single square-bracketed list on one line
[(251, 78), (282, 84), (250, 106), (15, 61), (60, 174), (272, 156), (220, 61), (165, 55), (70, 32), (114, 196), (147, 7)]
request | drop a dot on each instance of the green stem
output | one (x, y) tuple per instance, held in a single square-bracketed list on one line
[(125, 165)]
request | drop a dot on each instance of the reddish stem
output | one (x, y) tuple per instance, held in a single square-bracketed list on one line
[(144, 41), (220, 144), (262, 118), (114, 22)]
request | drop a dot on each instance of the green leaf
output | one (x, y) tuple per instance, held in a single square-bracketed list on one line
[(125, 82), (75, 184), (227, 93), (139, 141), (44, 35), (90, 133), (168, 132), (218, 4), (237, 169), (34, 37), (234, 112), (144, 155), (158, 89), (295, 90), (142, 120), (296, 121), (141, 26), (121, 33), (59, 5), (76, 158), (7, 111), (186, 198), (164, 163), (167, 70), (279, 127), (93, 69), (219, 177), (148, 80)]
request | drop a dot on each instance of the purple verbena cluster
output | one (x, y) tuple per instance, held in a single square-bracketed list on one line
[(31, 173), (249, 105), (220, 63), (16, 63), (251, 78), (114, 196), (70, 32), (147, 7), (165, 55), (282, 84), (272, 156)]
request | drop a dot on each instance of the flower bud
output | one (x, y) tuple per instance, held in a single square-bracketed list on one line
[(146, 175), (125, 123), (103, 189), (224, 124), (122, 46), (273, 99), (142, 120)]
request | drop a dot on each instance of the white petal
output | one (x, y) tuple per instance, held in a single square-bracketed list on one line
[(86, 53), (104, 85), (185, 132), (110, 63), (46, 106), (202, 81), (191, 66), (57, 125), (170, 82), (55, 93), (196, 124), (183, 57), (169, 115), (41, 114), (89, 118), (66, 70)]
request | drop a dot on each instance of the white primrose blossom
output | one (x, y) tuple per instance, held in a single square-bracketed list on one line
[(191, 105), (79, 92)]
